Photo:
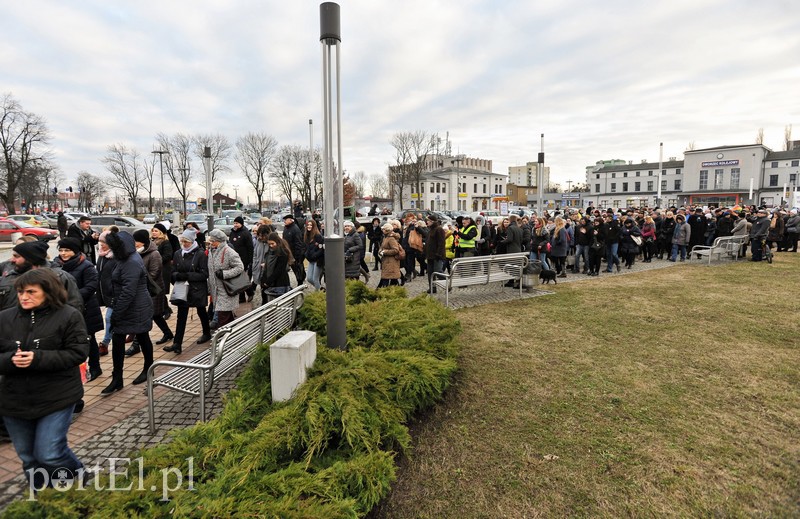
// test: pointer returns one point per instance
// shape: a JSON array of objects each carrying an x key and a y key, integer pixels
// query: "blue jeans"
[
  {"x": 675, "y": 248},
  {"x": 107, "y": 336},
  {"x": 611, "y": 255},
  {"x": 541, "y": 256},
  {"x": 42, "y": 444},
  {"x": 581, "y": 251},
  {"x": 313, "y": 273}
]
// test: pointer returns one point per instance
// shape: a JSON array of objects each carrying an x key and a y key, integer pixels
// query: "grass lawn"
[{"x": 673, "y": 392}]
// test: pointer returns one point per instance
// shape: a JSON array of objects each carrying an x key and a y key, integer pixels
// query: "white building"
[
  {"x": 719, "y": 176},
  {"x": 456, "y": 183}
]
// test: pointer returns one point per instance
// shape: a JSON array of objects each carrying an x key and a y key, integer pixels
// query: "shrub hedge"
[{"x": 328, "y": 452}]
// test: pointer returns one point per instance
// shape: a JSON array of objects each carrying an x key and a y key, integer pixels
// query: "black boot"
[
  {"x": 134, "y": 349},
  {"x": 142, "y": 376},
  {"x": 175, "y": 348},
  {"x": 165, "y": 339},
  {"x": 115, "y": 385}
]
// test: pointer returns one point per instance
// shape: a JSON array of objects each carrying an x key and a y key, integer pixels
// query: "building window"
[
  {"x": 484, "y": 189},
  {"x": 677, "y": 184},
  {"x": 597, "y": 175},
  {"x": 475, "y": 189},
  {"x": 444, "y": 188},
  {"x": 613, "y": 187},
  {"x": 613, "y": 175},
  {"x": 795, "y": 163},
  {"x": 663, "y": 185},
  {"x": 775, "y": 164},
  {"x": 718, "y": 176},
  {"x": 703, "y": 179},
  {"x": 637, "y": 173},
  {"x": 677, "y": 171},
  {"x": 438, "y": 187},
  {"x": 773, "y": 180},
  {"x": 735, "y": 174},
  {"x": 597, "y": 188},
  {"x": 793, "y": 179},
  {"x": 649, "y": 185},
  {"x": 637, "y": 186},
  {"x": 624, "y": 187},
  {"x": 663, "y": 171},
  {"x": 431, "y": 187},
  {"x": 650, "y": 174},
  {"x": 625, "y": 174}
]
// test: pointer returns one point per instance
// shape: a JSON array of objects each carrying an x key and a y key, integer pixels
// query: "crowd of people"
[{"x": 52, "y": 307}]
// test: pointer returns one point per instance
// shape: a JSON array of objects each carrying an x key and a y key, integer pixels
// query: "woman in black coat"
[
  {"x": 275, "y": 275},
  {"x": 42, "y": 345},
  {"x": 628, "y": 248},
  {"x": 190, "y": 265},
  {"x": 132, "y": 307},
  {"x": 72, "y": 260}
]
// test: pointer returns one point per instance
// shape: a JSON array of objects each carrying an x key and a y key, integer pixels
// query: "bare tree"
[
  {"x": 690, "y": 147},
  {"x": 149, "y": 167},
  {"x": 127, "y": 171},
  {"x": 760, "y": 136},
  {"x": 91, "y": 188},
  {"x": 787, "y": 138},
  {"x": 309, "y": 175},
  {"x": 178, "y": 164},
  {"x": 411, "y": 150},
  {"x": 359, "y": 181},
  {"x": 33, "y": 183},
  {"x": 286, "y": 168},
  {"x": 221, "y": 151},
  {"x": 24, "y": 138},
  {"x": 378, "y": 185},
  {"x": 254, "y": 154}
]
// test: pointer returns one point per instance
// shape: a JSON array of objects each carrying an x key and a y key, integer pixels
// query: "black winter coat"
[
  {"x": 130, "y": 299},
  {"x": 315, "y": 251},
  {"x": 192, "y": 267},
  {"x": 88, "y": 281},
  {"x": 105, "y": 266},
  {"x": 53, "y": 381},
  {"x": 294, "y": 237},
  {"x": 242, "y": 242},
  {"x": 154, "y": 267},
  {"x": 275, "y": 273}
]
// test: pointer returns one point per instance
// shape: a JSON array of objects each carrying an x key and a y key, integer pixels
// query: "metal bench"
[
  {"x": 231, "y": 345},
  {"x": 728, "y": 246},
  {"x": 481, "y": 270}
]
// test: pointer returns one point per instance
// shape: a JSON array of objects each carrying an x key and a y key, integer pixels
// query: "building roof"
[
  {"x": 668, "y": 164},
  {"x": 727, "y": 147},
  {"x": 778, "y": 155}
]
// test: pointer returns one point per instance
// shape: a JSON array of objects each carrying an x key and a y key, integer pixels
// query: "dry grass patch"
[{"x": 670, "y": 392}]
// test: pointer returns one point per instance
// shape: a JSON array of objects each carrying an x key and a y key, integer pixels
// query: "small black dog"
[{"x": 548, "y": 275}]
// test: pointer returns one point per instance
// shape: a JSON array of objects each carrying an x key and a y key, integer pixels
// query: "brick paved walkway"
[{"x": 116, "y": 426}]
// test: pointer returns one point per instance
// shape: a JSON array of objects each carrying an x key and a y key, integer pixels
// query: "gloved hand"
[
  {"x": 218, "y": 273},
  {"x": 179, "y": 276},
  {"x": 481, "y": 240}
]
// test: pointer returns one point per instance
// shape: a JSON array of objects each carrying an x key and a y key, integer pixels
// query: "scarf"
[{"x": 194, "y": 246}]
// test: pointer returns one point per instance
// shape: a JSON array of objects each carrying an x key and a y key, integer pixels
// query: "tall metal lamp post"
[
  {"x": 161, "y": 163},
  {"x": 333, "y": 206},
  {"x": 209, "y": 201}
]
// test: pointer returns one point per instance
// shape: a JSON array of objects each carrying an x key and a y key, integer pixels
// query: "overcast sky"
[{"x": 601, "y": 80}]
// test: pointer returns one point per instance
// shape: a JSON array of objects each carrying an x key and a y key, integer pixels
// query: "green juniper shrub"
[{"x": 328, "y": 452}]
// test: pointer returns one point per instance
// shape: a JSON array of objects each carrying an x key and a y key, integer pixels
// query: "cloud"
[{"x": 601, "y": 81}]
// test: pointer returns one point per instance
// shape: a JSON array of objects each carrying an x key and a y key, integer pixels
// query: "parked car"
[
  {"x": 31, "y": 219},
  {"x": 52, "y": 219},
  {"x": 9, "y": 227},
  {"x": 232, "y": 213},
  {"x": 488, "y": 214},
  {"x": 224, "y": 224},
  {"x": 201, "y": 219},
  {"x": 128, "y": 224},
  {"x": 150, "y": 218}
]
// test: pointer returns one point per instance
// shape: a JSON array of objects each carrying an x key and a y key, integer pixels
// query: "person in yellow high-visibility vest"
[{"x": 466, "y": 238}]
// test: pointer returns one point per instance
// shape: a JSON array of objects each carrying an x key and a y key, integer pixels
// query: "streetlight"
[{"x": 161, "y": 163}]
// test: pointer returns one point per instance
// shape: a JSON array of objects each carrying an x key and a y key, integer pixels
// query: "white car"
[
  {"x": 489, "y": 214},
  {"x": 150, "y": 218}
]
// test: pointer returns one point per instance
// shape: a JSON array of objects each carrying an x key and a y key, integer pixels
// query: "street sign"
[{"x": 570, "y": 196}]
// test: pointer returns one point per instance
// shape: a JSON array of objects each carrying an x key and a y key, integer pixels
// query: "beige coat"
[{"x": 390, "y": 263}]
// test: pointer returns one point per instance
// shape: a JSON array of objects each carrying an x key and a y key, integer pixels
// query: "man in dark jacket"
[
  {"x": 242, "y": 242},
  {"x": 758, "y": 232},
  {"x": 697, "y": 222},
  {"x": 294, "y": 237},
  {"x": 611, "y": 232},
  {"x": 33, "y": 255},
  {"x": 63, "y": 224},
  {"x": 434, "y": 250},
  {"x": 82, "y": 231}
]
